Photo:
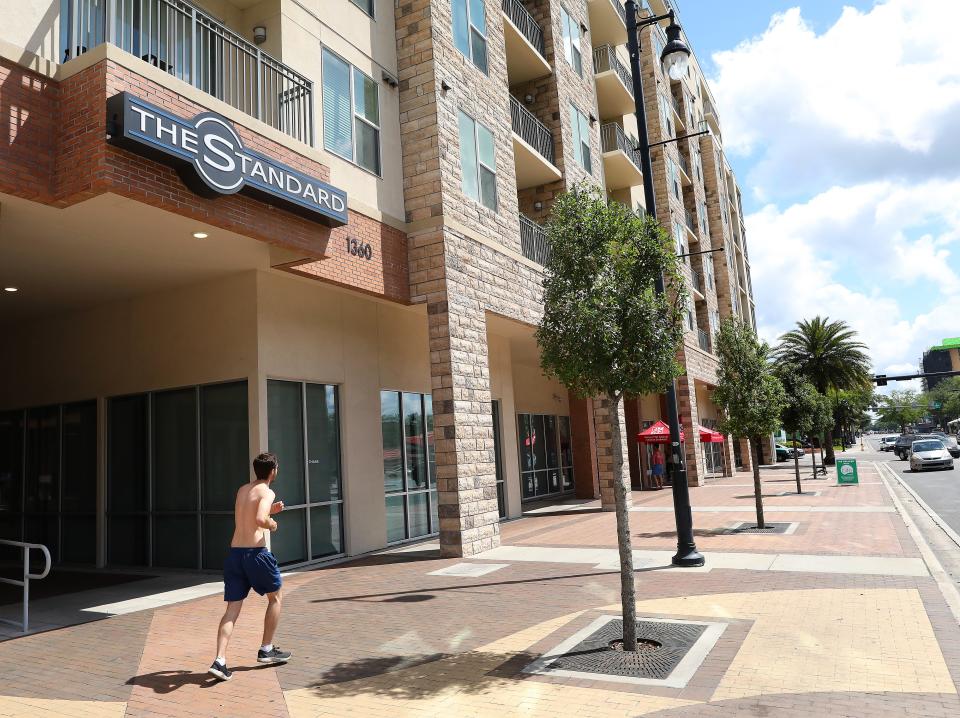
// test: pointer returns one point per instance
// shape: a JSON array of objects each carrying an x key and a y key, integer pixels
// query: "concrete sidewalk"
[{"x": 839, "y": 616}]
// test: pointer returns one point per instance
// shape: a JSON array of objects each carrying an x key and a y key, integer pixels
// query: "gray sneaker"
[
  {"x": 274, "y": 655},
  {"x": 220, "y": 670}
]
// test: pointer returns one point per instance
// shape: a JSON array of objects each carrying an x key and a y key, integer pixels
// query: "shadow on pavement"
[
  {"x": 169, "y": 681},
  {"x": 468, "y": 673}
]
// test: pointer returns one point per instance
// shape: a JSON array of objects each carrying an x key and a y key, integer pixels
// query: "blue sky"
[{"x": 841, "y": 121}]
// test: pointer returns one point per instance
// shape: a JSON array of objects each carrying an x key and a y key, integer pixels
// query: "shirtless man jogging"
[{"x": 250, "y": 565}]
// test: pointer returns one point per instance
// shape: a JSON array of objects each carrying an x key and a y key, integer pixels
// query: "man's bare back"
[{"x": 252, "y": 510}]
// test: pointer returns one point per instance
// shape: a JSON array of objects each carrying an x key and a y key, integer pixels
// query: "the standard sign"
[{"x": 212, "y": 161}]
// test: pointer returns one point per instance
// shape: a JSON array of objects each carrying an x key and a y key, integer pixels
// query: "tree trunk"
[
  {"x": 796, "y": 466},
  {"x": 813, "y": 455},
  {"x": 830, "y": 459},
  {"x": 628, "y": 596},
  {"x": 757, "y": 490}
]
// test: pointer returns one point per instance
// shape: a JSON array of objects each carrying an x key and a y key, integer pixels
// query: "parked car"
[
  {"x": 929, "y": 454},
  {"x": 786, "y": 452},
  {"x": 951, "y": 443},
  {"x": 887, "y": 442}
]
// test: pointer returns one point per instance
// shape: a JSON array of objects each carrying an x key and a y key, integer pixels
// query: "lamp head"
[{"x": 675, "y": 54}]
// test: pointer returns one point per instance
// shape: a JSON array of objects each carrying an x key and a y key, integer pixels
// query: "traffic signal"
[{"x": 881, "y": 379}]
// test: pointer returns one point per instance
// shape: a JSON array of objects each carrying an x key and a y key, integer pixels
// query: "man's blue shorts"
[{"x": 247, "y": 568}]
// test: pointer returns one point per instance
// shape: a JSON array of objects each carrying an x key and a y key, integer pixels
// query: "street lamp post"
[{"x": 675, "y": 57}]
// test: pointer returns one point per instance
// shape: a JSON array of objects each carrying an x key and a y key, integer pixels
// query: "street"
[{"x": 939, "y": 489}]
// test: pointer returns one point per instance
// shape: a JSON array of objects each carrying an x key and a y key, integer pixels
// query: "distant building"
[{"x": 943, "y": 357}]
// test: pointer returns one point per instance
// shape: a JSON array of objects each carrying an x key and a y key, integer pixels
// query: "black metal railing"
[
  {"x": 185, "y": 42},
  {"x": 621, "y": 10},
  {"x": 533, "y": 241},
  {"x": 605, "y": 58},
  {"x": 531, "y": 130},
  {"x": 704, "y": 339},
  {"x": 528, "y": 27},
  {"x": 684, "y": 164},
  {"x": 691, "y": 224},
  {"x": 613, "y": 138}
]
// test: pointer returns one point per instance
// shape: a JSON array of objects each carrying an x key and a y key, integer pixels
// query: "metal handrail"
[
  {"x": 605, "y": 58},
  {"x": 691, "y": 225},
  {"x": 684, "y": 164},
  {"x": 184, "y": 41},
  {"x": 697, "y": 280},
  {"x": 613, "y": 138},
  {"x": 531, "y": 130},
  {"x": 25, "y": 582},
  {"x": 533, "y": 241},
  {"x": 526, "y": 24},
  {"x": 620, "y": 9}
]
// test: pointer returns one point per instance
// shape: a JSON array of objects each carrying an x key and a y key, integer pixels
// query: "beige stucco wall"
[
  {"x": 33, "y": 25},
  {"x": 502, "y": 389},
  {"x": 312, "y": 332}
]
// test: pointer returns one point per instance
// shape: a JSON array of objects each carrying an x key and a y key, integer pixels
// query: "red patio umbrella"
[
  {"x": 657, "y": 433},
  {"x": 709, "y": 436}
]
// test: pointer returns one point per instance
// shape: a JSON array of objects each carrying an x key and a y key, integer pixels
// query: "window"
[
  {"x": 546, "y": 455},
  {"x": 351, "y": 113},
  {"x": 470, "y": 30},
  {"x": 666, "y": 118},
  {"x": 708, "y": 269},
  {"x": 673, "y": 177},
  {"x": 659, "y": 43},
  {"x": 715, "y": 321},
  {"x": 48, "y": 479},
  {"x": 704, "y": 222},
  {"x": 478, "y": 162},
  {"x": 680, "y": 236},
  {"x": 365, "y": 5},
  {"x": 581, "y": 138},
  {"x": 304, "y": 431},
  {"x": 571, "y": 41},
  {"x": 175, "y": 460},
  {"x": 691, "y": 318},
  {"x": 409, "y": 465}
]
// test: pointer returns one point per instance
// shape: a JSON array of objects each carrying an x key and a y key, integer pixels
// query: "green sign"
[{"x": 847, "y": 471}]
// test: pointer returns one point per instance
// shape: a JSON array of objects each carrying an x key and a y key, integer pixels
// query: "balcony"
[
  {"x": 710, "y": 114},
  {"x": 691, "y": 224},
  {"x": 614, "y": 83},
  {"x": 621, "y": 159},
  {"x": 526, "y": 56},
  {"x": 696, "y": 277},
  {"x": 533, "y": 241},
  {"x": 608, "y": 22},
  {"x": 185, "y": 42},
  {"x": 703, "y": 339},
  {"x": 532, "y": 148}
]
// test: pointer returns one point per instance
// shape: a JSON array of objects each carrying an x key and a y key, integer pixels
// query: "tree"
[
  {"x": 829, "y": 356},
  {"x": 946, "y": 395},
  {"x": 751, "y": 397},
  {"x": 822, "y": 423},
  {"x": 800, "y": 409},
  {"x": 901, "y": 407},
  {"x": 849, "y": 411},
  {"x": 605, "y": 330}
]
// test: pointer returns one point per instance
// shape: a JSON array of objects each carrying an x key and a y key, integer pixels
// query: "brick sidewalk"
[{"x": 383, "y": 636}]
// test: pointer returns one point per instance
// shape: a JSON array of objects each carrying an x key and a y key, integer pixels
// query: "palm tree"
[{"x": 829, "y": 356}]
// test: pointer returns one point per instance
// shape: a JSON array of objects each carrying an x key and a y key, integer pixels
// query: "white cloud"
[
  {"x": 850, "y": 140},
  {"x": 876, "y": 95}
]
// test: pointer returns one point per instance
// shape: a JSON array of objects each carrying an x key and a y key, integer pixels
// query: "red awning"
[
  {"x": 709, "y": 436},
  {"x": 657, "y": 433}
]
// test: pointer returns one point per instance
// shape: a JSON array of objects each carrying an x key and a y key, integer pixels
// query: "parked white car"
[{"x": 929, "y": 454}]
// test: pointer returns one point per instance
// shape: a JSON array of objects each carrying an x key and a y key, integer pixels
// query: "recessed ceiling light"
[
  {"x": 10, "y": 289},
  {"x": 200, "y": 235}
]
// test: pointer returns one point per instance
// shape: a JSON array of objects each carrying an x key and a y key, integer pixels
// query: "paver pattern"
[{"x": 387, "y": 635}]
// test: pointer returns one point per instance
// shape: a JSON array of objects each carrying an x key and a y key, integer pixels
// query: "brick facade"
[{"x": 59, "y": 156}]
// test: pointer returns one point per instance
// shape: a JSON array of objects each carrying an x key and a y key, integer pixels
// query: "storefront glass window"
[
  {"x": 546, "y": 455},
  {"x": 309, "y": 480},
  {"x": 409, "y": 465}
]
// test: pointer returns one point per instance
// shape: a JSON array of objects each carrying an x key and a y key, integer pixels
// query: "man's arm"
[{"x": 263, "y": 512}]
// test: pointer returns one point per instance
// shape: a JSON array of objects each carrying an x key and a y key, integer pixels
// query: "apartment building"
[
  {"x": 944, "y": 356},
  {"x": 315, "y": 227}
]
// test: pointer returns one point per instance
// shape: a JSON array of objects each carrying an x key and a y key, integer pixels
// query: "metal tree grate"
[
  {"x": 661, "y": 647},
  {"x": 770, "y": 527}
]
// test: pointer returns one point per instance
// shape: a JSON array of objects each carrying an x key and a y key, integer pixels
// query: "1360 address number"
[{"x": 359, "y": 249}]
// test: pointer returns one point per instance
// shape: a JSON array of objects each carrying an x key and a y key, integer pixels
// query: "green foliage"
[
  {"x": 822, "y": 416},
  {"x": 751, "y": 396},
  {"x": 801, "y": 397},
  {"x": 947, "y": 392},
  {"x": 826, "y": 353},
  {"x": 605, "y": 330},
  {"x": 901, "y": 407},
  {"x": 849, "y": 408}
]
